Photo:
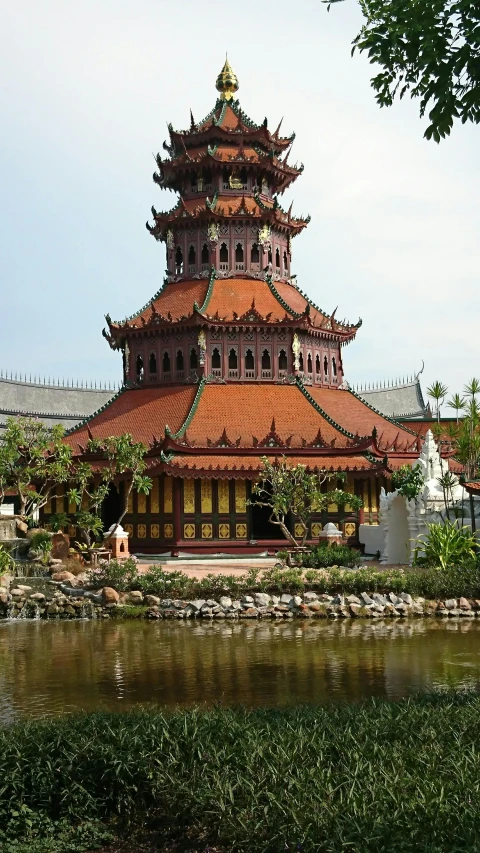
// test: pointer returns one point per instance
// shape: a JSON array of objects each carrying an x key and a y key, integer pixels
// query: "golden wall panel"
[
  {"x": 240, "y": 496},
  {"x": 350, "y": 528},
  {"x": 167, "y": 494},
  {"x": 141, "y": 531},
  {"x": 141, "y": 503},
  {"x": 206, "y": 494},
  {"x": 298, "y": 529},
  {"x": 207, "y": 531},
  {"x": 316, "y": 529},
  {"x": 241, "y": 531},
  {"x": 189, "y": 531},
  {"x": 155, "y": 496},
  {"x": 168, "y": 531},
  {"x": 189, "y": 495},
  {"x": 128, "y": 528},
  {"x": 155, "y": 531},
  {"x": 224, "y": 531},
  {"x": 72, "y": 530},
  {"x": 224, "y": 496}
]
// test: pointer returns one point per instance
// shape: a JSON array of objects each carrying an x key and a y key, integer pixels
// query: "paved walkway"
[{"x": 198, "y": 569}]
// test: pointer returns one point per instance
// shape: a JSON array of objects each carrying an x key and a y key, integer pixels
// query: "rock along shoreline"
[{"x": 64, "y": 602}]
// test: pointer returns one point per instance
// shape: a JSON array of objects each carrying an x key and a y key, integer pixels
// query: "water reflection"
[{"x": 55, "y": 667}]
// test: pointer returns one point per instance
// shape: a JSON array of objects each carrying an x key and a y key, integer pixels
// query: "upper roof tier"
[{"x": 226, "y": 137}]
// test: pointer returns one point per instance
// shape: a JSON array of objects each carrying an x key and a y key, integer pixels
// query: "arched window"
[
  {"x": 166, "y": 362},
  {"x": 243, "y": 178},
  {"x": 282, "y": 360},
  {"x": 179, "y": 260},
  {"x": 254, "y": 254},
  {"x": 300, "y": 362},
  {"x": 226, "y": 179},
  {"x": 152, "y": 363},
  {"x": 325, "y": 367},
  {"x": 270, "y": 260},
  {"x": 205, "y": 254},
  {"x": 285, "y": 262},
  {"x": 334, "y": 366},
  {"x": 249, "y": 360},
  {"x": 216, "y": 363},
  {"x": 239, "y": 253},
  {"x": 191, "y": 255},
  {"x": 139, "y": 366},
  {"x": 277, "y": 258},
  {"x": 179, "y": 360},
  {"x": 266, "y": 363},
  {"x": 232, "y": 359},
  {"x": 224, "y": 253},
  {"x": 317, "y": 364},
  {"x": 193, "y": 359},
  {"x": 193, "y": 181},
  {"x": 309, "y": 364}
]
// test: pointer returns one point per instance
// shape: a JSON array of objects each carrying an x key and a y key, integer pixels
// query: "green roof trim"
[
  {"x": 322, "y": 412},
  {"x": 188, "y": 420},
  {"x": 208, "y": 295},
  {"x": 285, "y": 305}
]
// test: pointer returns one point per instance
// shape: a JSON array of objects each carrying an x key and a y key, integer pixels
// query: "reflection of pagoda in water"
[{"x": 230, "y": 361}]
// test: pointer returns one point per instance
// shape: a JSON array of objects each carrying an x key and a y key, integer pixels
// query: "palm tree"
[
  {"x": 472, "y": 388},
  {"x": 438, "y": 392},
  {"x": 458, "y": 403}
]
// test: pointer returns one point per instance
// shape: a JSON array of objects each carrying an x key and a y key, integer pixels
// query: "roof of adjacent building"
[
  {"x": 402, "y": 399},
  {"x": 52, "y": 403}
]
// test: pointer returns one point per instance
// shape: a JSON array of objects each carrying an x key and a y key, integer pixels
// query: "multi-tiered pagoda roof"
[{"x": 230, "y": 361}]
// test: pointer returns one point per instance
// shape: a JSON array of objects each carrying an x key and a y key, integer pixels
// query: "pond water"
[{"x": 58, "y": 667}]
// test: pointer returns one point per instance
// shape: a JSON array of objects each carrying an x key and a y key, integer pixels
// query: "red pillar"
[{"x": 177, "y": 532}]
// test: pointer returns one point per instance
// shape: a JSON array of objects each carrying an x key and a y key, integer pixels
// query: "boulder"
[
  {"x": 310, "y": 596},
  {"x": 6, "y": 580},
  {"x": 285, "y": 599},
  {"x": 21, "y": 526},
  {"x": 195, "y": 605},
  {"x": 297, "y": 601},
  {"x": 379, "y": 599},
  {"x": 53, "y": 609},
  {"x": 5, "y": 596},
  {"x": 37, "y": 596},
  {"x": 451, "y": 604},
  {"x": 23, "y": 587},
  {"x": 60, "y": 546},
  {"x": 225, "y": 602},
  {"x": 33, "y": 530},
  {"x": 464, "y": 604},
  {"x": 64, "y": 576},
  {"x": 16, "y": 592},
  {"x": 135, "y": 597},
  {"x": 406, "y": 598},
  {"x": 152, "y": 600},
  {"x": 366, "y": 598},
  {"x": 262, "y": 599},
  {"x": 353, "y": 599},
  {"x": 247, "y": 599},
  {"x": 109, "y": 596}
]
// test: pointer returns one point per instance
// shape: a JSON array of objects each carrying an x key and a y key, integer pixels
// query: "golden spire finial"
[{"x": 227, "y": 82}]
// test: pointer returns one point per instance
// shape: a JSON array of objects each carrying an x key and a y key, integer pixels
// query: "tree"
[
  {"x": 437, "y": 391},
  {"x": 458, "y": 403},
  {"x": 117, "y": 456},
  {"x": 33, "y": 459},
  {"x": 429, "y": 48},
  {"x": 287, "y": 490}
]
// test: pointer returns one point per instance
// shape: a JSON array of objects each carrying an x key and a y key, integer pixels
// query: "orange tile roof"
[
  {"x": 247, "y": 411},
  {"x": 244, "y": 465},
  {"x": 143, "y": 412},
  {"x": 353, "y": 414},
  {"x": 239, "y": 295},
  {"x": 175, "y": 299},
  {"x": 298, "y": 302}
]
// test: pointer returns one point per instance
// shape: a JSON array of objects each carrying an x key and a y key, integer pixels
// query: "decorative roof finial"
[{"x": 227, "y": 82}]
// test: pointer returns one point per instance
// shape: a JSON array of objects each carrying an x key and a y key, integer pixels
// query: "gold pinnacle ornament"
[{"x": 227, "y": 82}]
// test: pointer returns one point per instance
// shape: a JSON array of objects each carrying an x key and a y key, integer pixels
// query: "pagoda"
[{"x": 230, "y": 361}]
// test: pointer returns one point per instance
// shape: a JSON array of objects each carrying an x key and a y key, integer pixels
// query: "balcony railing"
[
  {"x": 266, "y": 374},
  {"x": 249, "y": 374},
  {"x": 223, "y": 266},
  {"x": 216, "y": 371},
  {"x": 239, "y": 266},
  {"x": 192, "y": 268},
  {"x": 232, "y": 373},
  {"x": 180, "y": 374}
]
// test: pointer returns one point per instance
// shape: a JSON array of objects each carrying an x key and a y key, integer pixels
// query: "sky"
[{"x": 86, "y": 92}]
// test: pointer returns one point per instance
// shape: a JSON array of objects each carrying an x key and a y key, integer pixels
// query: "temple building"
[{"x": 230, "y": 361}]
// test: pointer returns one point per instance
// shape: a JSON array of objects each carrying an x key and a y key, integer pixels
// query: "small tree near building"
[{"x": 292, "y": 490}]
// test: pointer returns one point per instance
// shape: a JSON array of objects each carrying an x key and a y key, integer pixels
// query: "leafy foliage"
[
  {"x": 33, "y": 459},
  {"x": 445, "y": 545},
  {"x": 6, "y": 560},
  {"x": 429, "y": 48},
  {"x": 367, "y": 777},
  {"x": 122, "y": 575},
  {"x": 286, "y": 490},
  {"x": 408, "y": 481}
]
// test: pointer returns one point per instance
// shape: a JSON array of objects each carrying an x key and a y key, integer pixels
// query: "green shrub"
[
  {"x": 39, "y": 538},
  {"x": 445, "y": 545},
  {"x": 398, "y": 776},
  {"x": 7, "y": 563},
  {"x": 324, "y": 556},
  {"x": 122, "y": 575}
]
